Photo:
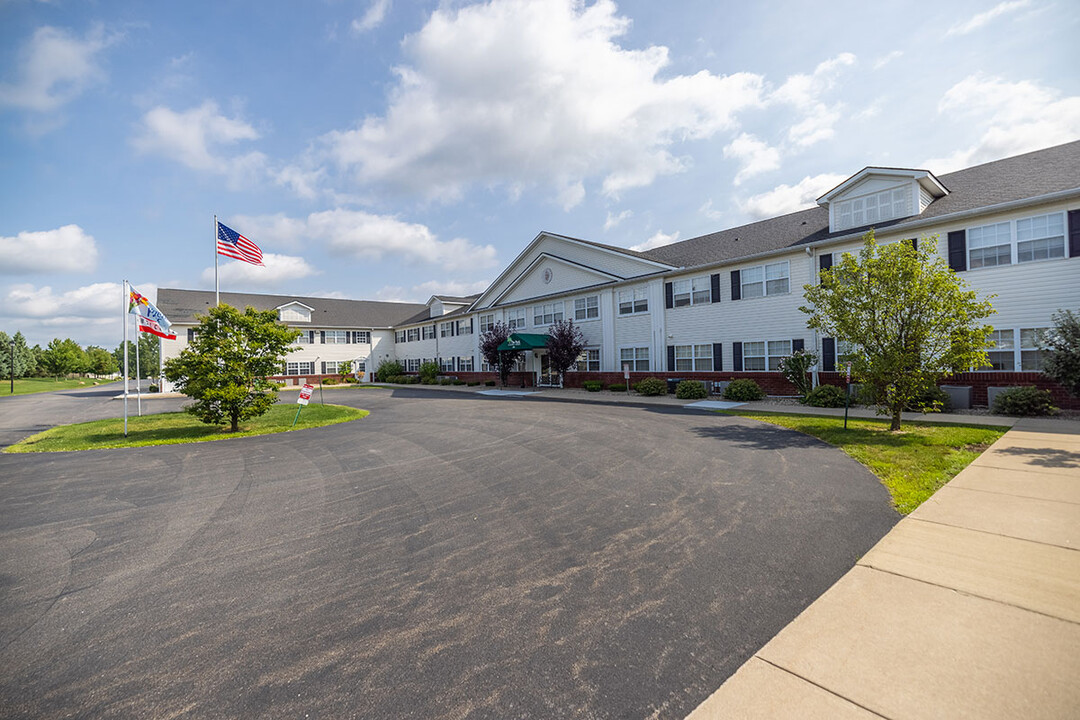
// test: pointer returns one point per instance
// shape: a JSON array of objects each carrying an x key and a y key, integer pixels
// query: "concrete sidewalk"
[{"x": 968, "y": 608}]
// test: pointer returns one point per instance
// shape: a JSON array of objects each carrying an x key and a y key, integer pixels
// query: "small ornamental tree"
[
  {"x": 1061, "y": 351},
  {"x": 911, "y": 317},
  {"x": 564, "y": 345},
  {"x": 490, "y": 340},
  {"x": 225, "y": 368},
  {"x": 63, "y": 357},
  {"x": 796, "y": 370}
]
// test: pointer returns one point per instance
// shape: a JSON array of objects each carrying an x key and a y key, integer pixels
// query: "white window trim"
[
  {"x": 767, "y": 355},
  {"x": 1014, "y": 242},
  {"x": 695, "y": 358},
  {"x": 764, "y": 282},
  {"x": 586, "y": 308},
  {"x": 635, "y": 360},
  {"x": 634, "y": 300}
]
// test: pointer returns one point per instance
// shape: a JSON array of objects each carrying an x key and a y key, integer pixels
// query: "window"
[
  {"x": 399, "y": 336},
  {"x": 304, "y": 339},
  {"x": 701, "y": 290},
  {"x": 446, "y": 329},
  {"x": 1030, "y": 355},
  {"x": 330, "y": 367},
  {"x": 764, "y": 280},
  {"x": 1040, "y": 238},
  {"x": 547, "y": 314},
  {"x": 881, "y": 206},
  {"x": 680, "y": 293},
  {"x": 487, "y": 322},
  {"x": 515, "y": 319},
  {"x": 465, "y": 364},
  {"x": 334, "y": 337},
  {"x": 693, "y": 357},
  {"x": 300, "y": 368},
  {"x": 359, "y": 366},
  {"x": 294, "y": 314},
  {"x": 361, "y": 336},
  {"x": 464, "y": 327},
  {"x": 1001, "y": 356},
  {"x": 428, "y": 332},
  {"x": 636, "y": 358},
  {"x": 634, "y": 300},
  {"x": 412, "y": 365},
  {"x": 989, "y": 245},
  {"x": 765, "y": 355},
  {"x": 446, "y": 364},
  {"x": 587, "y": 308},
  {"x": 588, "y": 360},
  {"x": 412, "y": 334}
]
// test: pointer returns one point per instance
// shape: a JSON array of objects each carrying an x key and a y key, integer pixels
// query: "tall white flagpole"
[
  {"x": 123, "y": 308},
  {"x": 217, "y": 292}
]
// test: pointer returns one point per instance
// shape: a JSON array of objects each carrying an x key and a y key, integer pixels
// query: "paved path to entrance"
[
  {"x": 450, "y": 556},
  {"x": 969, "y": 608}
]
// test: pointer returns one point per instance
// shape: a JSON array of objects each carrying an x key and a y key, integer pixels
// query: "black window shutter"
[
  {"x": 348, "y": 336},
  {"x": 714, "y": 281},
  {"x": 323, "y": 363},
  {"x": 736, "y": 285},
  {"x": 671, "y": 358},
  {"x": 797, "y": 344},
  {"x": 322, "y": 337},
  {"x": 825, "y": 261},
  {"x": 958, "y": 250},
  {"x": 717, "y": 354},
  {"x": 914, "y": 243},
  {"x": 471, "y": 328},
  {"x": 669, "y": 296},
  {"x": 736, "y": 355},
  {"x": 828, "y": 354},
  {"x": 1074, "y": 233},
  {"x": 311, "y": 336},
  {"x": 191, "y": 334}
]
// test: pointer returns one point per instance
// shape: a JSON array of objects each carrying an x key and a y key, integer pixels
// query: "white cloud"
[
  {"x": 65, "y": 249},
  {"x": 660, "y": 238},
  {"x": 1007, "y": 118},
  {"x": 486, "y": 98},
  {"x": 978, "y": 21},
  {"x": 805, "y": 92},
  {"x": 708, "y": 211},
  {"x": 888, "y": 58},
  {"x": 754, "y": 156},
  {"x": 785, "y": 199},
  {"x": 276, "y": 269},
  {"x": 374, "y": 16},
  {"x": 196, "y": 138},
  {"x": 55, "y": 67},
  {"x": 614, "y": 220},
  {"x": 365, "y": 236}
]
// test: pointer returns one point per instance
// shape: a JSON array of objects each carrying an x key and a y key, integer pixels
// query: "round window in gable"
[{"x": 547, "y": 275}]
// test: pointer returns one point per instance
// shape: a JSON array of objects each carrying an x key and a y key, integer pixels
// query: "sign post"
[
  {"x": 626, "y": 376},
  {"x": 302, "y": 400},
  {"x": 847, "y": 395}
]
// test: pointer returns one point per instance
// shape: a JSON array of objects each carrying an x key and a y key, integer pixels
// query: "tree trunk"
[
  {"x": 236, "y": 422},
  {"x": 896, "y": 417}
]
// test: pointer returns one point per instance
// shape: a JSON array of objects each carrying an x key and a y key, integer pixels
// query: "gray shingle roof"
[
  {"x": 1017, "y": 178},
  {"x": 180, "y": 306}
]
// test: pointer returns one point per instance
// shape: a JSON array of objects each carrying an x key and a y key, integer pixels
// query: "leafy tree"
[
  {"x": 63, "y": 357},
  {"x": 100, "y": 361},
  {"x": 490, "y": 340},
  {"x": 796, "y": 369},
  {"x": 428, "y": 371},
  {"x": 911, "y": 317},
  {"x": 39, "y": 362},
  {"x": 564, "y": 345},
  {"x": 149, "y": 356},
  {"x": 225, "y": 368},
  {"x": 1061, "y": 351},
  {"x": 25, "y": 360},
  {"x": 388, "y": 369}
]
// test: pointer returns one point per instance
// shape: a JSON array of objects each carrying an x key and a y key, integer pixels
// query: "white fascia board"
[
  {"x": 920, "y": 175},
  {"x": 295, "y": 302}
]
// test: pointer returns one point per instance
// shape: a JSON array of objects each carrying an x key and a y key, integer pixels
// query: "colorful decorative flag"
[
  {"x": 232, "y": 244},
  {"x": 149, "y": 326},
  {"x": 139, "y": 304}
]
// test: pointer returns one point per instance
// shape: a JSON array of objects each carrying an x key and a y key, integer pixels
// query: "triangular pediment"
[{"x": 549, "y": 275}]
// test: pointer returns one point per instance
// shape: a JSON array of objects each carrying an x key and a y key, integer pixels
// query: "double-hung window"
[
  {"x": 446, "y": 329},
  {"x": 1003, "y": 348},
  {"x": 487, "y": 322},
  {"x": 330, "y": 367},
  {"x": 412, "y": 365},
  {"x": 412, "y": 334},
  {"x": 681, "y": 292},
  {"x": 772, "y": 279},
  {"x": 464, "y": 327},
  {"x": 1040, "y": 238},
  {"x": 547, "y": 314},
  {"x": 693, "y": 357},
  {"x": 465, "y": 364},
  {"x": 335, "y": 337},
  {"x": 636, "y": 358},
  {"x": 634, "y": 300},
  {"x": 300, "y": 368},
  {"x": 361, "y": 336},
  {"x": 765, "y": 355},
  {"x": 446, "y": 364},
  {"x": 1030, "y": 355},
  {"x": 399, "y": 336},
  {"x": 588, "y": 360},
  {"x": 304, "y": 339},
  {"x": 587, "y": 308},
  {"x": 701, "y": 290},
  {"x": 428, "y": 332},
  {"x": 515, "y": 318},
  {"x": 989, "y": 245}
]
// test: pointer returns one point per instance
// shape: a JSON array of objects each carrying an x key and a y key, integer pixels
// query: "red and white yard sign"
[{"x": 305, "y": 394}]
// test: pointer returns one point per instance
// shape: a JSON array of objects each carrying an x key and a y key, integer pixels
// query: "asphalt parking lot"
[{"x": 449, "y": 556}]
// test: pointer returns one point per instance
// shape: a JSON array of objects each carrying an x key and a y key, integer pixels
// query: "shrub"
[
  {"x": 388, "y": 369},
  {"x": 651, "y": 386},
  {"x": 691, "y": 390},
  {"x": 796, "y": 370},
  {"x": 489, "y": 383},
  {"x": 933, "y": 400},
  {"x": 474, "y": 383},
  {"x": 459, "y": 382},
  {"x": 617, "y": 387},
  {"x": 446, "y": 381},
  {"x": 1026, "y": 400},
  {"x": 826, "y": 396},
  {"x": 744, "y": 390},
  {"x": 152, "y": 388},
  {"x": 429, "y": 381},
  {"x": 349, "y": 379},
  {"x": 592, "y": 385},
  {"x": 428, "y": 371}
]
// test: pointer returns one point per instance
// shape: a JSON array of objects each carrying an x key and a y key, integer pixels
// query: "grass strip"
[
  {"x": 177, "y": 428},
  {"x": 912, "y": 463},
  {"x": 28, "y": 386}
]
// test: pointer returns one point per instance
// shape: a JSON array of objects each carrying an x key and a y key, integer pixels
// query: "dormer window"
[
  {"x": 294, "y": 312},
  {"x": 879, "y": 207},
  {"x": 876, "y": 195}
]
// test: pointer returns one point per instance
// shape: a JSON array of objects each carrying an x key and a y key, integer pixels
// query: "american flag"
[{"x": 232, "y": 244}]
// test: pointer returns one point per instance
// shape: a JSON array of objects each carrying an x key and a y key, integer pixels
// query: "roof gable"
[{"x": 550, "y": 275}]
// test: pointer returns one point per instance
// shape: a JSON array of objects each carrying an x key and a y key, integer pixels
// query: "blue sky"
[{"x": 393, "y": 149}]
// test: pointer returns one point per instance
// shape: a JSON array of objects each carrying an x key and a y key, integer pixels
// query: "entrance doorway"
[{"x": 547, "y": 376}]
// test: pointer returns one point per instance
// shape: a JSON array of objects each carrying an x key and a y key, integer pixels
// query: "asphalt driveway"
[{"x": 449, "y": 556}]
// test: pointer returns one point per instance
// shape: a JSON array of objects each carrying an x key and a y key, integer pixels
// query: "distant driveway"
[{"x": 450, "y": 556}]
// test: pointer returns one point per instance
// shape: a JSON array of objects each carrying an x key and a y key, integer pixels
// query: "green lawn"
[
  {"x": 178, "y": 427},
  {"x": 26, "y": 386},
  {"x": 912, "y": 463}
]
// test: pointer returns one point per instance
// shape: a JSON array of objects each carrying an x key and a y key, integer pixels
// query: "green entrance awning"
[{"x": 524, "y": 341}]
